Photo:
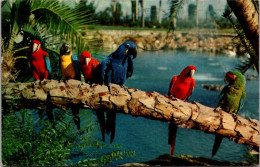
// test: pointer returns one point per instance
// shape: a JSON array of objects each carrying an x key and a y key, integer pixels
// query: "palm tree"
[
  {"x": 136, "y": 10},
  {"x": 114, "y": 11},
  {"x": 248, "y": 16},
  {"x": 49, "y": 21},
  {"x": 142, "y": 5},
  {"x": 160, "y": 12}
]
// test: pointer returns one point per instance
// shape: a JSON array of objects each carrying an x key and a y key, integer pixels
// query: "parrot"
[
  {"x": 116, "y": 68},
  {"x": 180, "y": 87},
  {"x": 231, "y": 99},
  {"x": 39, "y": 61},
  {"x": 70, "y": 68},
  {"x": 90, "y": 68}
]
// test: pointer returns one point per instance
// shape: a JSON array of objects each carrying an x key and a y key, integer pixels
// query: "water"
[{"x": 153, "y": 72}]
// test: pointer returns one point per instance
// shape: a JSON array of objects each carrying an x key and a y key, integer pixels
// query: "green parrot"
[{"x": 231, "y": 99}]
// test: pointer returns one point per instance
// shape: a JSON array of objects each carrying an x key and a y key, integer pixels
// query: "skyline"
[{"x": 219, "y": 6}]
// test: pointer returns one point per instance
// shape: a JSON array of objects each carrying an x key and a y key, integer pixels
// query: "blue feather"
[
  {"x": 48, "y": 64},
  {"x": 118, "y": 66},
  {"x": 76, "y": 66}
]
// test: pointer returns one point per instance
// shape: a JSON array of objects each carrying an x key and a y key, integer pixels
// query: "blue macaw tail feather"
[
  {"x": 47, "y": 64},
  {"x": 76, "y": 66}
]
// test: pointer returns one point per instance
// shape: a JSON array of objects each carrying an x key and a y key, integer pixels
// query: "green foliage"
[
  {"x": 153, "y": 14},
  {"x": 248, "y": 63},
  {"x": 175, "y": 6},
  {"x": 192, "y": 12},
  {"x": 31, "y": 141}
]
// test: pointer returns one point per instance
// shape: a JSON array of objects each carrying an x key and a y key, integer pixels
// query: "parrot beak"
[
  {"x": 36, "y": 47},
  {"x": 226, "y": 80},
  {"x": 87, "y": 61},
  {"x": 192, "y": 73}
]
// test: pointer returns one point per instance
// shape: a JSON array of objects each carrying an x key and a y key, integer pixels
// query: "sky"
[{"x": 219, "y": 6}]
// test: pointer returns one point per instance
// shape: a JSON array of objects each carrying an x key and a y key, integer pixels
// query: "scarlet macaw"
[
  {"x": 116, "y": 68},
  {"x": 181, "y": 87},
  {"x": 70, "y": 68},
  {"x": 90, "y": 68},
  {"x": 39, "y": 61},
  {"x": 231, "y": 99}
]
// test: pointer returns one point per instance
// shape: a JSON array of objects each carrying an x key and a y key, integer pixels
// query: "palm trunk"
[
  {"x": 114, "y": 11},
  {"x": 136, "y": 10},
  {"x": 160, "y": 12},
  {"x": 134, "y": 102},
  {"x": 143, "y": 13},
  {"x": 248, "y": 18}
]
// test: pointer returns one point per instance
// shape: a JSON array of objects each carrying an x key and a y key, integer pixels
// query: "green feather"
[{"x": 232, "y": 97}]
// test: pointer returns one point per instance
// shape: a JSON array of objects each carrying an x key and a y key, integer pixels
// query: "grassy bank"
[{"x": 193, "y": 30}]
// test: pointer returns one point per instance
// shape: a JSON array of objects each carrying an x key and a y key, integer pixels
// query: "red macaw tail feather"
[
  {"x": 172, "y": 136},
  {"x": 102, "y": 122},
  {"x": 218, "y": 140},
  {"x": 111, "y": 124},
  {"x": 75, "y": 113},
  {"x": 46, "y": 74}
]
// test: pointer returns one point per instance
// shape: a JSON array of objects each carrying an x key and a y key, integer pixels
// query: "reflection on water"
[{"x": 153, "y": 72}]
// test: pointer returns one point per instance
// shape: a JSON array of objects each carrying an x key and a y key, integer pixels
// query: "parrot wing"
[
  {"x": 171, "y": 86},
  {"x": 130, "y": 67},
  {"x": 192, "y": 86},
  {"x": 242, "y": 100},
  {"x": 105, "y": 70},
  {"x": 222, "y": 93},
  {"x": 76, "y": 66}
]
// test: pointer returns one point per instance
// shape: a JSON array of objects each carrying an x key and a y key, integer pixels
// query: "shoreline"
[{"x": 212, "y": 42}]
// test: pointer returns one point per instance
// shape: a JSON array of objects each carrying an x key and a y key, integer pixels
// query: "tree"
[
  {"x": 135, "y": 102},
  {"x": 136, "y": 10},
  {"x": 133, "y": 10},
  {"x": 248, "y": 16},
  {"x": 104, "y": 17},
  {"x": 118, "y": 13},
  {"x": 191, "y": 12},
  {"x": 48, "y": 21},
  {"x": 142, "y": 4},
  {"x": 114, "y": 11},
  {"x": 160, "y": 12},
  {"x": 153, "y": 14}
]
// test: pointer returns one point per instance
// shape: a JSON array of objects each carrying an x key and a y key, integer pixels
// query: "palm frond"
[
  {"x": 64, "y": 21},
  {"x": 175, "y": 6},
  {"x": 244, "y": 66}
]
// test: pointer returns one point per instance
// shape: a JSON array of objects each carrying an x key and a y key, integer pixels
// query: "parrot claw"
[
  {"x": 125, "y": 87},
  {"x": 110, "y": 89},
  {"x": 36, "y": 83},
  {"x": 217, "y": 109},
  {"x": 234, "y": 115}
]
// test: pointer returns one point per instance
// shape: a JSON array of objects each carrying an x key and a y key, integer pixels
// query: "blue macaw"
[{"x": 116, "y": 68}]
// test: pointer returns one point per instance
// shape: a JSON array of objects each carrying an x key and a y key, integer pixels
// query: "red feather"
[
  {"x": 181, "y": 87},
  {"x": 37, "y": 62}
]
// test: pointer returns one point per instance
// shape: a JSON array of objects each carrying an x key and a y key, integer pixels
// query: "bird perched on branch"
[
  {"x": 231, "y": 99},
  {"x": 90, "y": 67},
  {"x": 70, "y": 68},
  {"x": 180, "y": 87},
  {"x": 39, "y": 61},
  {"x": 116, "y": 68}
]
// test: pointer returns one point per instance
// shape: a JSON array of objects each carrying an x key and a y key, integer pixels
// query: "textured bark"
[
  {"x": 135, "y": 102},
  {"x": 248, "y": 18}
]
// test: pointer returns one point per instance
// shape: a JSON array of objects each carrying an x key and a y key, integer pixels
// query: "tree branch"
[{"x": 135, "y": 102}]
